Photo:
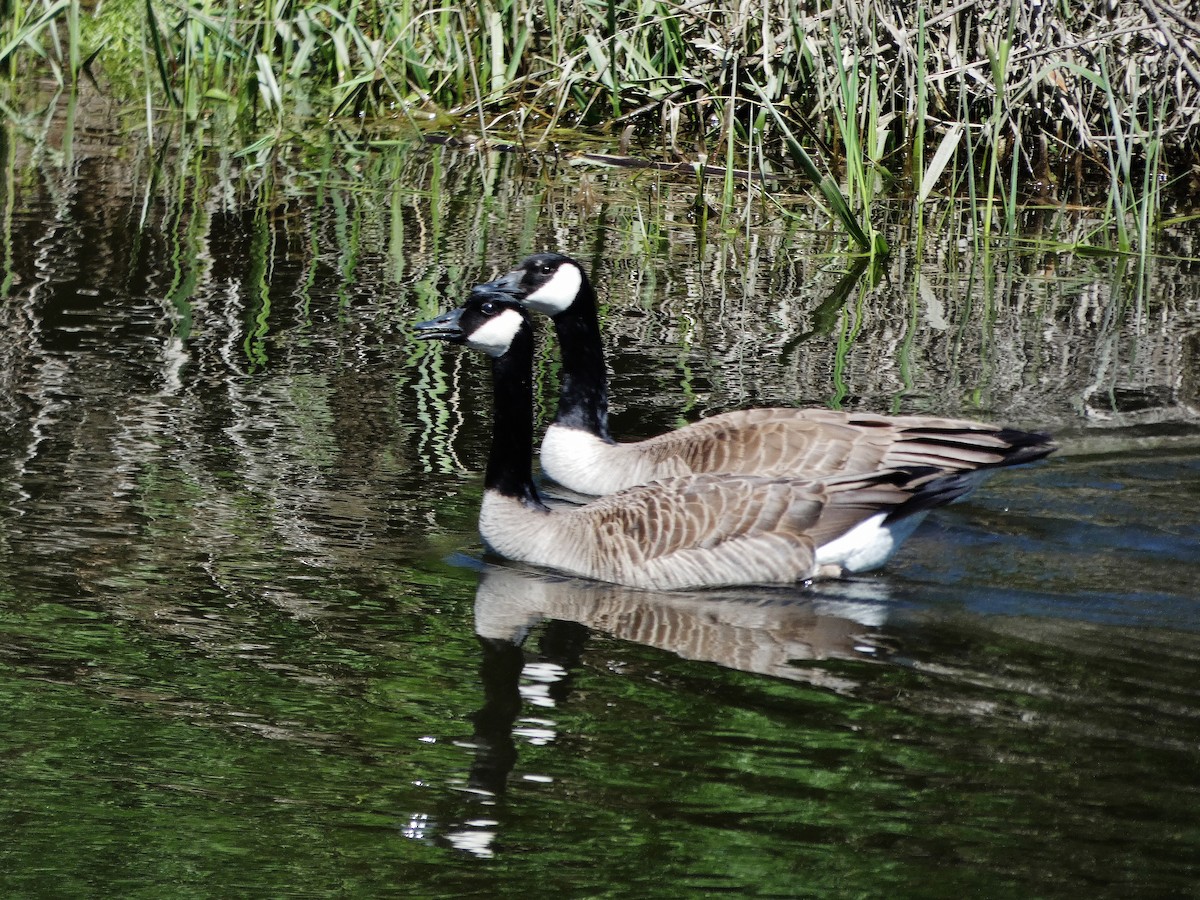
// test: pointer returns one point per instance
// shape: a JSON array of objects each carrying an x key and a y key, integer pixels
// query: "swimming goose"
[
  {"x": 579, "y": 453},
  {"x": 688, "y": 531}
]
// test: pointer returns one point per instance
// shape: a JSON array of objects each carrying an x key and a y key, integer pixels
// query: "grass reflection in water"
[{"x": 238, "y": 655}]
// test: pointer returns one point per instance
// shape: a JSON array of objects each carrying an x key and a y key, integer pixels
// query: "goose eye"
[{"x": 488, "y": 307}]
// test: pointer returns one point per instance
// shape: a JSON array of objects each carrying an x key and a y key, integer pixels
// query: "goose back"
[
  {"x": 713, "y": 531},
  {"x": 813, "y": 443}
]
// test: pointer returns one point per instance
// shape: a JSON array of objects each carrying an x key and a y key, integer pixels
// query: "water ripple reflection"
[{"x": 244, "y": 642}]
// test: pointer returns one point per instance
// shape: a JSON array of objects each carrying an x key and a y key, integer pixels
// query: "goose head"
[
  {"x": 489, "y": 321},
  {"x": 548, "y": 283}
]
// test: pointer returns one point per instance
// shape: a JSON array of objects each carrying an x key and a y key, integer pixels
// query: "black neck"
[
  {"x": 583, "y": 397},
  {"x": 510, "y": 463}
]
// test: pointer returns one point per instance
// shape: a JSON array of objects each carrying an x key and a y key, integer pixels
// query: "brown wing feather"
[
  {"x": 706, "y": 530},
  {"x": 814, "y": 443}
]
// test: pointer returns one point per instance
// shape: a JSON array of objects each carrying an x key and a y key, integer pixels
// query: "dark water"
[{"x": 248, "y": 646}]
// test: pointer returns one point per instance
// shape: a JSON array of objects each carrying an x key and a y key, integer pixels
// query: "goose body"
[
  {"x": 579, "y": 453},
  {"x": 680, "y": 532}
]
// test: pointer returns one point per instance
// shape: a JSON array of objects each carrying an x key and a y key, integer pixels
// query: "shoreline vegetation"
[{"x": 998, "y": 105}]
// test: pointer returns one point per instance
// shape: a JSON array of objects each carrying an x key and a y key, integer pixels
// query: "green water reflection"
[{"x": 248, "y": 646}]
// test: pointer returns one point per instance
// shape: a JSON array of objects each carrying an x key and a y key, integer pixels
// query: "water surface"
[{"x": 249, "y": 645}]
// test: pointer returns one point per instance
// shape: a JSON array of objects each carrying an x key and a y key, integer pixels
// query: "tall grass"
[
  {"x": 1004, "y": 102},
  {"x": 48, "y": 30}
]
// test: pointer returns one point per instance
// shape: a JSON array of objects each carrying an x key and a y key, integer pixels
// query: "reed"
[
  {"x": 1005, "y": 102},
  {"x": 35, "y": 29}
]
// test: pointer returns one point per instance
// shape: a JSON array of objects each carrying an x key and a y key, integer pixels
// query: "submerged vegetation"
[{"x": 997, "y": 103}]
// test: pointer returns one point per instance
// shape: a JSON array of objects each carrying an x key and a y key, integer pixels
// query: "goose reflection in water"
[
  {"x": 783, "y": 633},
  {"x": 761, "y": 630}
]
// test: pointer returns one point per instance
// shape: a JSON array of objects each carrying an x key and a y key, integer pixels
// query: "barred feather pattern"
[
  {"x": 785, "y": 442},
  {"x": 702, "y": 531}
]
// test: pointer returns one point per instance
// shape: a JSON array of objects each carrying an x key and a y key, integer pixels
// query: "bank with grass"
[{"x": 999, "y": 104}]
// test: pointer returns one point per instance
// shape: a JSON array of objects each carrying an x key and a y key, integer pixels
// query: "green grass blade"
[
  {"x": 160, "y": 53},
  {"x": 827, "y": 186}
]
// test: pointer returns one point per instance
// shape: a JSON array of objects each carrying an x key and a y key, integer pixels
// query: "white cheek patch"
[
  {"x": 558, "y": 293},
  {"x": 495, "y": 336}
]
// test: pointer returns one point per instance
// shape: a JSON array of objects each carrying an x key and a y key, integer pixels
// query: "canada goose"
[
  {"x": 680, "y": 532},
  {"x": 579, "y": 453}
]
